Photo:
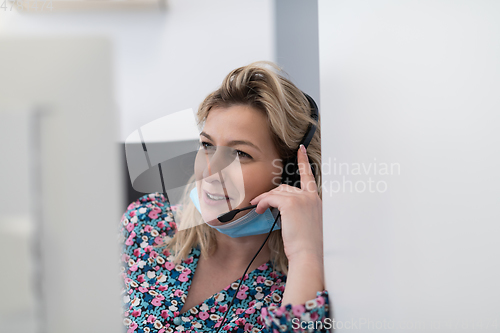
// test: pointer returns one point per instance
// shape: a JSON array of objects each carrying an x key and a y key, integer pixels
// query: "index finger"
[{"x": 307, "y": 181}]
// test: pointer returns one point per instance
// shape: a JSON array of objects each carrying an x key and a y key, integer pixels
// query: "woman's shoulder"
[{"x": 148, "y": 220}]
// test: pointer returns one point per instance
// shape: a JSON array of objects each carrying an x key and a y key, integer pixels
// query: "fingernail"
[{"x": 303, "y": 149}]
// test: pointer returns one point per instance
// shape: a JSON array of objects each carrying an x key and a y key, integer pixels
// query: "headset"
[{"x": 290, "y": 176}]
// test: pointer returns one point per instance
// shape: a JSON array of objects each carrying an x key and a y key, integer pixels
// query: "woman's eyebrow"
[
  {"x": 234, "y": 142},
  {"x": 207, "y": 136},
  {"x": 243, "y": 142}
]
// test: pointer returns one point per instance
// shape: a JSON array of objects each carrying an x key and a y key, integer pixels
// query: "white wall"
[
  {"x": 414, "y": 83},
  {"x": 165, "y": 62}
]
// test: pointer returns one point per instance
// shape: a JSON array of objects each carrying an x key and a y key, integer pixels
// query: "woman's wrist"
[
  {"x": 305, "y": 278},
  {"x": 309, "y": 268},
  {"x": 305, "y": 257}
]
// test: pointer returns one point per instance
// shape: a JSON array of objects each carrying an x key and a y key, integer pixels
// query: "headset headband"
[{"x": 306, "y": 140}]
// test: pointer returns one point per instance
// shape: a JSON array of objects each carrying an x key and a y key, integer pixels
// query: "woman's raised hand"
[{"x": 301, "y": 213}]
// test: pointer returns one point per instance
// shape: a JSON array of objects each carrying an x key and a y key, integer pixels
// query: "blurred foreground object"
[
  {"x": 60, "y": 198},
  {"x": 47, "y": 6}
]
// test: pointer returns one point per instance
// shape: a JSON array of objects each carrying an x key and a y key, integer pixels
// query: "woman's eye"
[
  {"x": 243, "y": 154},
  {"x": 206, "y": 146}
]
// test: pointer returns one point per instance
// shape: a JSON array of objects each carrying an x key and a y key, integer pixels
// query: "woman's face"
[{"x": 242, "y": 131}]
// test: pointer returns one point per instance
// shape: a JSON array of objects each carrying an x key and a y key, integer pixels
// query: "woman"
[{"x": 186, "y": 283}]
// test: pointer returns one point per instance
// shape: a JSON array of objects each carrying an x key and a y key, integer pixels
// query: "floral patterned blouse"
[{"x": 155, "y": 289}]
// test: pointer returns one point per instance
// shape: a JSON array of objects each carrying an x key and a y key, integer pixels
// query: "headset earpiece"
[{"x": 291, "y": 174}]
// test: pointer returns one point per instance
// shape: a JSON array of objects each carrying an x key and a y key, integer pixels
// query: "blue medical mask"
[{"x": 247, "y": 225}]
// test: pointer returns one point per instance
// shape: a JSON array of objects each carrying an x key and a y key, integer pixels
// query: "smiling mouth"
[{"x": 217, "y": 197}]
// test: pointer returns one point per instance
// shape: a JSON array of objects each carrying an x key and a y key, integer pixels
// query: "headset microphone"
[{"x": 223, "y": 218}]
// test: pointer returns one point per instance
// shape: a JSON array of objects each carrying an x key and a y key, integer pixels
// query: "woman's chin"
[{"x": 210, "y": 213}]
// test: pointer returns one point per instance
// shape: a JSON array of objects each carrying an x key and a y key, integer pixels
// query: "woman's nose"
[
  {"x": 211, "y": 177},
  {"x": 216, "y": 162}
]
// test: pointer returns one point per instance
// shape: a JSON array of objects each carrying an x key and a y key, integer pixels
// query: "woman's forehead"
[{"x": 238, "y": 122}]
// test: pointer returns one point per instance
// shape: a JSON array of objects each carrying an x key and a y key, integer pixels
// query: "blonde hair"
[{"x": 261, "y": 86}]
